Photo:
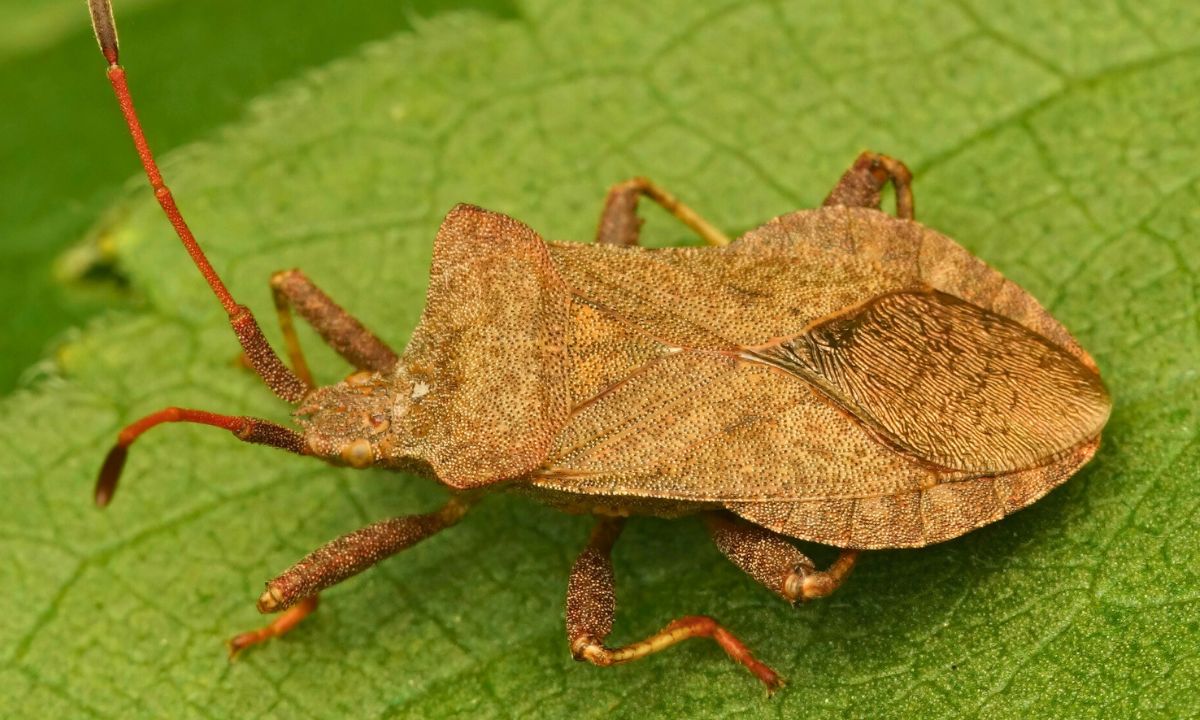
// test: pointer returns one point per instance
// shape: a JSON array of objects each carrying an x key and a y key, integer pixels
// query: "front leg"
[
  {"x": 620, "y": 224},
  {"x": 591, "y": 605},
  {"x": 340, "y": 330},
  {"x": 294, "y": 593}
]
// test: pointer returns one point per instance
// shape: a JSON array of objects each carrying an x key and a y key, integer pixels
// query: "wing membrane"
[{"x": 955, "y": 384}]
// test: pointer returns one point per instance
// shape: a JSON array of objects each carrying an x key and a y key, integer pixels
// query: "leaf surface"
[{"x": 1056, "y": 144}]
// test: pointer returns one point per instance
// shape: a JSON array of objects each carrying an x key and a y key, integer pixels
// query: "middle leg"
[
  {"x": 591, "y": 605},
  {"x": 620, "y": 224}
]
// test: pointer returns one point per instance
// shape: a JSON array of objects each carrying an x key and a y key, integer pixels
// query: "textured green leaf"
[{"x": 1058, "y": 144}]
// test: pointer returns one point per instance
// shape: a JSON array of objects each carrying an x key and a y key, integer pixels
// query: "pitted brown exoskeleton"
[{"x": 838, "y": 375}]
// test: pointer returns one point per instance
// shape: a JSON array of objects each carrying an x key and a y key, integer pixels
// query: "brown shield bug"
[{"x": 838, "y": 375}]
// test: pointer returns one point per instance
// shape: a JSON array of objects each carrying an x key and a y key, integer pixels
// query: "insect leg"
[
  {"x": 295, "y": 590},
  {"x": 860, "y": 186},
  {"x": 591, "y": 604},
  {"x": 287, "y": 620},
  {"x": 620, "y": 224},
  {"x": 360, "y": 347},
  {"x": 773, "y": 561}
]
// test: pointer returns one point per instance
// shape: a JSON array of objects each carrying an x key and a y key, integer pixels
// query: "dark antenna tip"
[
  {"x": 105, "y": 28},
  {"x": 110, "y": 473}
]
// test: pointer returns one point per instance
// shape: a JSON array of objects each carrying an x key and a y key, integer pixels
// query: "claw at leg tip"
[
  {"x": 236, "y": 645},
  {"x": 774, "y": 685},
  {"x": 769, "y": 677}
]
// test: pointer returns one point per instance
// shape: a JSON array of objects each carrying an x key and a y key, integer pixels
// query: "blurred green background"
[{"x": 1057, "y": 140}]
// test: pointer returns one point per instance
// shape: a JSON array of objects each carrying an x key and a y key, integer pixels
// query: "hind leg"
[
  {"x": 860, "y": 186},
  {"x": 776, "y": 563}
]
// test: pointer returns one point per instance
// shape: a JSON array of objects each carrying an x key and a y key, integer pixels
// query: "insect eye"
[
  {"x": 361, "y": 377},
  {"x": 359, "y": 453}
]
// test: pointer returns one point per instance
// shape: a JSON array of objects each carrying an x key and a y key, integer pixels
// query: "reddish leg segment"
[
  {"x": 620, "y": 224},
  {"x": 774, "y": 562},
  {"x": 294, "y": 592},
  {"x": 591, "y": 605},
  {"x": 280, "y": 625},
  {"x": 360, "y": 347},
  {"x": 861, "y": 185}
]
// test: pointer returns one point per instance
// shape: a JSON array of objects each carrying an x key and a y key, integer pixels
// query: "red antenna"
[
  {"x": 261, "y": 357},
  {"x": 258, "y": 351}
]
